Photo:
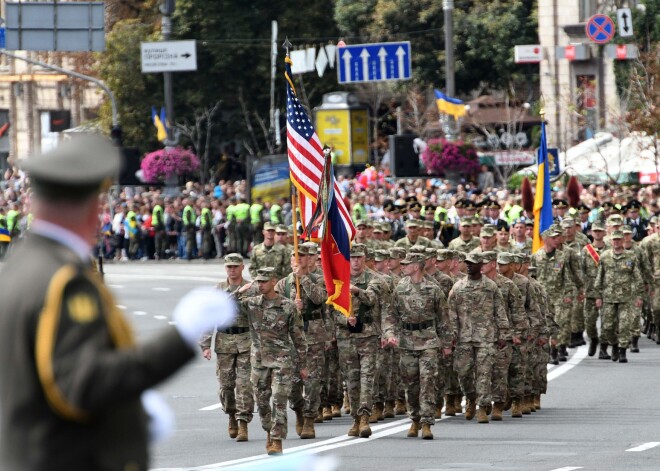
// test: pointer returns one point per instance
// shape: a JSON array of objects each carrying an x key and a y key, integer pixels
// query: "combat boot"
[
  {"x": 275, "y": 448},
  {"x": 622, "y": 355},
  {"x": 554, "y": 356},
  {"x": 489, "y": 409},
  {"x": 242, "y": 431},
  {"x": 579, "y": 336},
  {"x": 537, "y": 401},
  {"x": 497, "y": 411},
  {"x": 516, "y": 410},
  {"x": 563, "y": 353},
  {"x": 400, "y": 408},
  {"x": 507, "y": 403},
  {"x": 354, "y": 431},
  {"x": 525, "y": 406},
  {"x": 308, "y": 428},
  {"x": 233, "y": 426},
  {"x": 319, "y": 416},
  {"x": 327, "y": 413},
  {"x": 389, "y": 410},
  {"x": 269, "y": 442},
  {"x": 482, "y": 417},
  {"x": 413, "y": 431},
  {"x": 380, "y": 407},
  {"x": 450, "y": 410},
  {"x": 615, "y": 352},
  {"x": 458, "y": 406},
  {"x": 426, "y": 432},
  {"x": 573, "y": 342},
  {"x": 530, "y": 401},
  {"x": 373, "y": 418},
  {"x": 336, "y": 410},
  {"x": 603, "y": 355},
  {"x": 300, "y": 420},
  {"x": 347, "y": 406},
  {"x": 635, "y": 345},
  {"x": 470, "y": 408},
  {"x": 593, "y": 346},
  {"x": 365, "y": 430}
]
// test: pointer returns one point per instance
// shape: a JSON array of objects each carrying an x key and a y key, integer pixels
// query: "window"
[{"x": 588, "y": 8}]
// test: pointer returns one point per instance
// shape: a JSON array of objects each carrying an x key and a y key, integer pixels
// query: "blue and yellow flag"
[
  {"x": 450, "y": 106},
  {"x": 159, "y": 122},
  {"x": 542, "y": 198},
  {"x": 5, "y": 236}
]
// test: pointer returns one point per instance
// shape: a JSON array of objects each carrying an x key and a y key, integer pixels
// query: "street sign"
[
  {"x": 621, "y": 51},
  {"x": 168, "y": 56},
  {"x": 624, "y": 20},
  {"x": 2, "y": 38},
  {"x": 600, "y": 29},
  {"x": 374, "y": 62},
  {"x": 528, "y": 54}
]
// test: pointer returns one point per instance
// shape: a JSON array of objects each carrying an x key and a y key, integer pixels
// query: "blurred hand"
[
  {"x": 517, "y": 341},
  {"x": 299, "y": 304},
  {"x": 201, "y": 310},
  {"x": 599, "y": 303},
  {"x": 206, "y": 353},
  {"x": 352, "y": 321}
]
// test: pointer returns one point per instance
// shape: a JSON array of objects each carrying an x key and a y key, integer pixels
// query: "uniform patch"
[{"x": 82, "y": 308}]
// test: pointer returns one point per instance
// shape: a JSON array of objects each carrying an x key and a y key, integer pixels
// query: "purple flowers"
[
  {"x": 166, "y": 162},
  {"x": 443, "y": 156}
]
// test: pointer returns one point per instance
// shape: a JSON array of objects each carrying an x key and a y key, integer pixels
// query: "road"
[{"x": 597, "y": 415}]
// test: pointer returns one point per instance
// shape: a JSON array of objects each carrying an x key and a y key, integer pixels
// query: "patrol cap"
[
  {"x": 460, "y": 256},
  {"x": 489, "y": 256},
  {"x": 430, "y": 252},
  {"x": 412, "y": 223},
  {"x": 265, "y": 274},
  {"x": 474, "y": 257},
  {"x": 312, "y": 248},
  {"x": 654, "y": 220},
  {"x": 552, "y": 231},
  {"x": 385, "y": 227},
  {"x": 358, "y": 250},
  {"x": 303, "y": 250},
  {"x": 280, "y": 229},
  {"x": 597, "y": 226},
  {"x": 520, "y": 258},
  {"x": 617, "y": 235},
  {"x": 369, "y": 222},
  {"x": 360, "y": 222},
  {"x": 427, "y": 224},
  {"x": 382, "y": 255},
  {"x": 444, "y": 254},
  {"x": 377, "y": 229},
  {"x": 529, "y": 222},
  {"x": 413, "y": 258},
  {"x": 268, "y": 226},
  {"x": 75, "y": 169},
  {"x": 369, "y": 253},
  {"x": 417, "y": 249},
  {"x": 567, "y": 223},
  {"x": 233, "y": 260},
  {"x": 467, "y": 221},
  {"x": 505, "y": 258},
  {"x": 487, "y": 231},
  {"x": 397, "y": 253},
  {"x": 614, "y": 220},
  {"x": 626, "y": 229}
]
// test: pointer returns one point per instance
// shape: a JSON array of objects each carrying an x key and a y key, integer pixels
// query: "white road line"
[
  {"x": 172, "y": 323},
  {"x": 115, "y": 286},
  {"x": 567, "y": 468},
  {"x": 389, "y": 429},
  {"x": 213, "y": 407},
  {"x": 162, "y": 289},
  {"x": 644, "y": 446},
  {"x": 160, "y": 318},
  {"x": 121, "y": 306},
  {"x": 140, "y": 313}
]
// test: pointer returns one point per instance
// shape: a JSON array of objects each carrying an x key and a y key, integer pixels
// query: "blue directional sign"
[
  {"x": 374, "y": 62},
  {"x": 600, "y": 29},
  {"x": 2, "y": 38}
]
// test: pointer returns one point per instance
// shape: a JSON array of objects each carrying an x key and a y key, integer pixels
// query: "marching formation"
[{"x": 429, "y": 326}]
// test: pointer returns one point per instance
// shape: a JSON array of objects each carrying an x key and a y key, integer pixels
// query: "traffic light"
[
  {"x": 116, "y": 135},
  {"x": 404, "y": 160}
]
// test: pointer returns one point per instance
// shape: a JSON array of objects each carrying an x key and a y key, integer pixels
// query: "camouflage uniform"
[
  {"x": 651, "y": 246},
  {"x": 406, "y": 243},
  {"x": 590, "y": 270},
  {"x": 383, "y": 305},
  {"x": 275, "y": 256},
  {"x": 419, "y": 321},
  {"x": 647, "y": 277},
  {"x": 537, "y": 369},
  {"x": 274, "y": 328},
  {"x": 463, "y": 246}
]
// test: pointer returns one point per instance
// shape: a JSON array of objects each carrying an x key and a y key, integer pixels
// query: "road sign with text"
[
  {"x": 374, "y": 62},
  {"x": 168, "y": 56}
]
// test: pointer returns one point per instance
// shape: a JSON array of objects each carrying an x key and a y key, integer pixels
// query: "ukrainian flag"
[
  {"x": 543, "y": 198},
  {"x": 450, "y": 106},
  {"x": 159, "y": 122},
  {"x": 4, "y": 235}
]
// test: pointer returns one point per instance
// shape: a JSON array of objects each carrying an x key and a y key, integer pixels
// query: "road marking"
[
  {"x": 172, "y": 323},
  {"x": 116, "y": 286},
  {"x": 160, "y": 318},
  {"x": 162, "y": 289},
  {"x": 567, "y": 468},
  {"x": 140, "y": 313},
  {"x": 389, "y": 429},
  {"x": 121, "y": 306},
  {"x": 644, "y": 446}
]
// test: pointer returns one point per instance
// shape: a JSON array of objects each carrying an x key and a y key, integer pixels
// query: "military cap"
[
  {"x": 607, "y": 205},
  {"x": 521, "y": 258},
  {"x": 567, "y": 223},
  {"x": 358, "y": 250},
  {"x": 444, "y": 254},
  {"x": 489, "y": 256},
  {"x": 469, "y": 204},
  {"x": 505, "y": 258},
  {"x": 385, "y": 227},
  {"x": 552, "y": 231},
  {"x": 597, "y": 226},
  {"x": 487, "y": 231},
  {"x": 410, "y": 198},
  {"x": 430, "y": 207},
  {"x": 75, "y": 169},
  {"x": 280, "y": 229},
  {"x": 397, "y": 253},
  {"x": 360, "y": 222},
  {"x": 654, "y": 220},
  {"x": 430, "y": 253},
  {"x": 311, "y": 247},
  {"x": 559, "y": 203},
  {"x": 617, "y": 208},
  {"x": 415, "y": 206},
  {"x": 529, "y": 222},
  {"x": 474, "y": 257},
  {"x": 369, "y": 253},
  {"x": 583, "y": 208},
  {"x": 289, "y": 230},
  {"x": 460, "y": 256},
  {"x": 369, "y": 222},
  {"x": 417, "y": 249},
  {"x": 616, "y": 235},
  {"x": 233, "y": 260},
  {"x": 302, "y": 250},
  {"x": 626, "y": 229},
  {"x": 634, "y": 204},
  {"x": 502, "y": 226},
  {"x": 269, "y": 226},
  {"x": 428, "y": 224},
  {"x": 459, "y": 204},
  {"x": 614, "y": 220},
  {"x": 467, "y": 221},
  {"x": 412, "y": 223},
  {"x": 494, "y": 204},
  {"x": 382, "y": 255},
  {"x": 389, "y": 206},
  {"x": 377, "y": 229},
  {"x": 265, "y": 274},
  {"x": 413, "y": 258}
]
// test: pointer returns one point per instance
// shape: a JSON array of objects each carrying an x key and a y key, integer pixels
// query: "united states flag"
[{"x": 306, "y": 157}]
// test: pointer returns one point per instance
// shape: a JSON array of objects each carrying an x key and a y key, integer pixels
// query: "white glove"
[
  {"x": 161, "y": 417},
  {"x": 201, "y": 310}
]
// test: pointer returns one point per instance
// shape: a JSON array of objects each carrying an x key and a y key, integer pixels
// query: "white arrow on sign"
[
  {"x": 364, "y": 55},
  {"x": 382, "y": 53},
  {"x": 400, "y": 53},
  {"x": 624, "y": 19},
  {"x": 346, "y": 56}
]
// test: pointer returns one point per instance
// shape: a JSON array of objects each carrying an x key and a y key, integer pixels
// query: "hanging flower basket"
[
  {"x": 443, "y": 157},
  {"x": 167, "y": 163}
]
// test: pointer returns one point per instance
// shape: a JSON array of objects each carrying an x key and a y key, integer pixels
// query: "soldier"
[
  {"x": 386, "y": 243},
  {"x": 418, "y": 324},
  {"x": 503, "y": 238},
  {"x": 232, "y": 349},
  {"x": 590, "y": 259},
  {"x": 310, "y": 304},
  {"x": 508, "y": 367},
  {"x": 362, "y": 234},
  {"x": 397, "y": 254},
  {"x": 358, "y": 342},
  {"x": 282, "y": 238},
  {"x": 487, "y": 239},
  {"x": 618, "y": 288},
  {"x": 465, "y": 242},
  {"x": 559, "y": 209},
  {"x": 476, "y": 301},
  {"x": 638, "y": 224},
  {"x": 412, "y": 236},
  {"x": 278, "y": 348},
  {"x": 269, "y": 254},
  {"x": 651, "y": 246},
  {"x": 647, "y": 277},
  {"x": 575, "y": 241}
]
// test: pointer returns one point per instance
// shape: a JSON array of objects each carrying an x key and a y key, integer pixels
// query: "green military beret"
[
  {"x": 265, "y": 274},
  {"x": 358, "y": 250},
  {"x": 505, "y": 258},
  {"x": 280, "y": 229},
  {"x": 268, "y": 226},
  {"x": 444, "y": 254},
  {"x": 597, "y": 226},
  {"x": 616, "y": 235},
  {"x": 413, "y": 258},
  {"x": 233, "y": 259},
  {"x": 474, "y": 257},
  {"x": 382, "y": 255},
  {"x": 487, "y": 231},
  {"x": 488, "y": 256},
  {"x": 626, "y": 229},
  {"x": 397, "y": 253}
]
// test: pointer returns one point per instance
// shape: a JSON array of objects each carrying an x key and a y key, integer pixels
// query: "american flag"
[{"x": 306, "y": 158}]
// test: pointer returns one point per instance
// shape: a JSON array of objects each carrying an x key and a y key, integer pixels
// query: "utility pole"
[
  {"x": 450, "y": 82},
  {"x": 167, "y": 10},
  {"x": 273, "y": 72}
]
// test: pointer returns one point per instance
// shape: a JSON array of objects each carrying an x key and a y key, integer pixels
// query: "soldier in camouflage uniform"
[
  {"x": 478, "y": 321},
  {"x": 647, "y": 277},
  {"x": 418, "y": 324},
  {"x": 618, "y": 288},
  {"x": 387, "y": 242},
  {"x": 358, "y": 342},
  {"x": 412, "y": 236},
  {"x": 282, "y": 239},
  {"x": 590, "y": 259},
  {"x": 275, "y": 328},
  {"x": 310, "y": 306},
  {"x": 508, "y": 367},
  {"x": 651, "y": 245},
  {"x": 397, "y": 254},
  {"x": 232, "y": 348},
  {"x": 558, "y": 271},
  {"x": 465, "y": 242},
  {"x": 575, "y": 241},
  {"x": 269, "y": 254},
  {"x": 362, "y": 234}
]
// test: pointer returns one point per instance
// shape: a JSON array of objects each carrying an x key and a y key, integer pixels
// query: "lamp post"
[{"x": 450, "y": 83}]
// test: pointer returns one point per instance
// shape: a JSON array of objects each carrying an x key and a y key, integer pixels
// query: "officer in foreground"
[{"x": 72, "y": 378}]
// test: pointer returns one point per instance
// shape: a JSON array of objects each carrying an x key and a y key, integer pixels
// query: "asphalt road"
[{"x": 597, "y": 415}]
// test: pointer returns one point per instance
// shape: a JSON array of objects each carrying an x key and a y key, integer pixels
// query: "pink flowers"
[
  {"x": 166, "y": 162},
  {"x": 443, "y": 156}
]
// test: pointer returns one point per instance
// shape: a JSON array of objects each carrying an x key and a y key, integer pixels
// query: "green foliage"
[{"x": 515, "y": 181}]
